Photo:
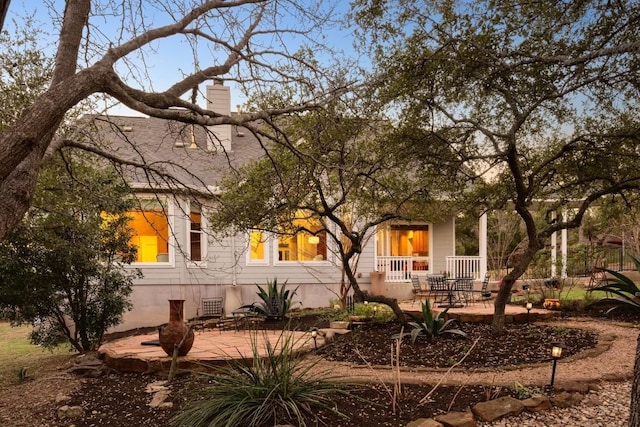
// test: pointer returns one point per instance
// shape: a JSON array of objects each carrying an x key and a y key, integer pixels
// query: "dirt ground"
[{"x": 117, "y": 399}]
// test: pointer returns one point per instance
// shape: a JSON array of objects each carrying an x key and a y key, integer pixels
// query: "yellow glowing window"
[
  {"x": 256, "y": 245},
  {"x": 305, "y": 245},
  {"x": 403, "y": 240},
  {"x": 150, "y": 227}
]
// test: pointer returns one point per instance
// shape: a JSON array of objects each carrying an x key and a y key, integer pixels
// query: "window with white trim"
[
  {"x": 305, "y": 245},
  {"x": 257, "y": 252},
  {"x": 197, "y": 238},
  {"x": 150, "y": 225}
]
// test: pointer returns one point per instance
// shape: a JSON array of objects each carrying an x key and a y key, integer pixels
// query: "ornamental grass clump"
[{"x": 280, "y": 387}]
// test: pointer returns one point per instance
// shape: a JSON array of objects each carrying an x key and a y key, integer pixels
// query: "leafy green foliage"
[
  {"x": 345, "y": 169},
  {"x": 490, "y": 90},
  {"x": 627, "y": 293},
  {"x": 362, "y": 309},
  {"x": 62, "y": 269},
  {"x": 430, "y": 325},
  {"x": 275, "y": 301},
  {"x": 283, "y": 387},
  {"x": 25, "y": 70}
]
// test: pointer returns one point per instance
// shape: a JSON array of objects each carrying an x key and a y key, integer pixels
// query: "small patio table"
[
  {"x": 244, "y": 313},
  {"x": 451, "y": 289}
]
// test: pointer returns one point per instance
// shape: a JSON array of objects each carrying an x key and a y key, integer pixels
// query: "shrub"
[
  {"x": 63, "y": 269},
  {"x": 283, "y": 387}
]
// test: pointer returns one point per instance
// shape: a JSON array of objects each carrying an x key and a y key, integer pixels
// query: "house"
[{"x": 173, "y": 165}]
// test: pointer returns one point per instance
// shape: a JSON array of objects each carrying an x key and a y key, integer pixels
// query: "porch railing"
[
  {"x": 463, "y": 266},
  {"x": 400, "y": 268}
]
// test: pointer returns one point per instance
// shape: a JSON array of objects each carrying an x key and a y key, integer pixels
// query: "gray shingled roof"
[{"x": 167, "y": 146}]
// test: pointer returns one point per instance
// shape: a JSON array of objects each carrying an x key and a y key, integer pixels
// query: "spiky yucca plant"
[{"x": 259, "y": 391}]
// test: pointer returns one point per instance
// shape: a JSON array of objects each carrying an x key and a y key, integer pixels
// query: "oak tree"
[
  {"x": 342, "y": 169},
  {"x": 537, "y": 100},
  {"x": 107, "y": 49}
]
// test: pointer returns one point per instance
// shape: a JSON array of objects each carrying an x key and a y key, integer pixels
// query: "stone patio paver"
[
  {"x": 209, "y": 346},
  {"x": 215, "y": 346}
]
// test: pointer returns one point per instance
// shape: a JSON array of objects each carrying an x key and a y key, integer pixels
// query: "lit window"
[
  {"x": 304, "y": 246},
  {"x": 257, "y": 252},
  {"x": 150, "y": 227},
  {"x": 196, "y": 238},
  {"x": 404, "y": 240}
]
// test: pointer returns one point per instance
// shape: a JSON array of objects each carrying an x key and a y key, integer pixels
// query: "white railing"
[
  {"x": 463, "y": 266},
  {"x": 400, "y": 268}
]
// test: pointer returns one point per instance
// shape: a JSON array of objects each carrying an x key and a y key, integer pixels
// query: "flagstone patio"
[{"x": 214, "y": 346}]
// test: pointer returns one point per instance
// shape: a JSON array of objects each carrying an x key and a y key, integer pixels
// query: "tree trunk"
[
  {"x": 23, "y": 145},
  {"x": 634, "y": 411},
  {"x": 361, "y": 296},
  {"x": 16, "y": 192},
  {"x": 497, "y": 325}
]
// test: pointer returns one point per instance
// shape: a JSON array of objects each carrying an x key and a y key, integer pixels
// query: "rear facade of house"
[{"x": 181, "y": 260}]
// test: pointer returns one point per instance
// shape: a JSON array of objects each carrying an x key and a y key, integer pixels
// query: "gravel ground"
[
  {"x": 611, "y": 369},
  {"x": 608, "y": 407}
]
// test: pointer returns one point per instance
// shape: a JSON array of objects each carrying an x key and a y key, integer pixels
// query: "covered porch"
[
  {"x": 400, "y": 269},
  {"x": 404, "y": 251}
]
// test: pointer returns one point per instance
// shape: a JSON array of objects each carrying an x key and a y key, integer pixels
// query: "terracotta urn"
[
  {"x": 551, "y": 304},
  {"x": 172, "y": 333}
]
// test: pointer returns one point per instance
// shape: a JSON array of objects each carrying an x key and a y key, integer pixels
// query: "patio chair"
[
  {"x": 418, "y": 291},
  {"x": 485, "y": 294},
  {"x": 438, "y": 288},
  {"x": 209, "y": 309},
  {"x": 212, "y": 307},
  {"x": 464, "y": 289}
]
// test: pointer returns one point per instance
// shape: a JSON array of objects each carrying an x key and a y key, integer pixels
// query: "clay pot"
[
  {"x": 172, "y": 333},
  {"x": 551, "y": 304}
]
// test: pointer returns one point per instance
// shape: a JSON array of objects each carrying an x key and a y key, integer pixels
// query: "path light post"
[
  {"x": 375, "y": 310},
  {"x": 529, "y": 306},
  {"x": 314, "y": 335},
  {"x": 556, "y": 353}
]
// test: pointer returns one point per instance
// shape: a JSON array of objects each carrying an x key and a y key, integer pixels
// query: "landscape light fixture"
[
  {"x": 529, "y": 306},
  {"x": 314, "y": 335},
  {"x": 556, "y": 353},
  {"x": 375, "y": 309}
]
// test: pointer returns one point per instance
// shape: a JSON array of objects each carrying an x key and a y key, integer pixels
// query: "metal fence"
[{"x": 580, "y": 263}]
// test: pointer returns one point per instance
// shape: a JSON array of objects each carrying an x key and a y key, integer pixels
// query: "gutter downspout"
[{"x": 234, "y": 272}]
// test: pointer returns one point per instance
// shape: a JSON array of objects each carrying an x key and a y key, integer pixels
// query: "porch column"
[
  {"x": 554, "y": 254},
  {"x": 482, "y": 244},
  {"x": 564, "y": 246}
]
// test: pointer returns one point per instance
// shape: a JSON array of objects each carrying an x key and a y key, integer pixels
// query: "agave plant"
[
  {"x": 627, "y": 293},
  {"x": 275, "y": 302},
  {"x": 431, "y": 325}
]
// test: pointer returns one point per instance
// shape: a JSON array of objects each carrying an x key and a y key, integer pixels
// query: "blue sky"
[{"x": 171, "y": 57}]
